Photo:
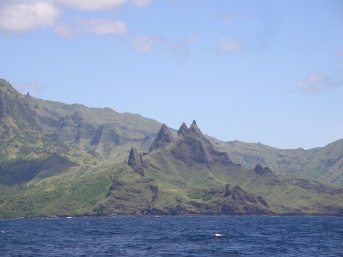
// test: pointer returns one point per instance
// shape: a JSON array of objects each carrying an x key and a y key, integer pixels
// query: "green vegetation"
[
  {"x": 324, "y": 164},
  {"x": 200, "y": 194},
  {"x": 70, "y": 160}
]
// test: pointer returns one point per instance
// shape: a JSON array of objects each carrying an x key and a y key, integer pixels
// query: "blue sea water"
[{"x": 173, "y": 236}]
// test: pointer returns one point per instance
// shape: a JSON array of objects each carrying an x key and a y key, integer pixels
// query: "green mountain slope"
[
  {"x": 322, "y": 163},
  {"x": 191, "y": 160},
  {"x": 182, "y": 175},
  {"x": 102, "y": 133},
  {"x": 70, "y": 160},
  {"x": 20, "y": 132},
  {"x": 30, "y": 127},
  {"x": 33, "y": 131}
]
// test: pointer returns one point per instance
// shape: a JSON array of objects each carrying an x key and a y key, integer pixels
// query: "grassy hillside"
[
  {"x": 70, "y": 160},
  {"x": 284, "y": 194},
  {"x": 185, "y": 176},
  {"x": 322, "y": 163},
  {"x": 103, "y": 133}
]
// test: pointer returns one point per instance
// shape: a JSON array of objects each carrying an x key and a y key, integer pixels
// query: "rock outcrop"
[
  {"x": 182, "y": 129},
  {"x": 193, "y": 147},
  {"x": 164, "y": 137},
  {"x": 260, "y": 170},
  {"x": 136, "y": 162}
]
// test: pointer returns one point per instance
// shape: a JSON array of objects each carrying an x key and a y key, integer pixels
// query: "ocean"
[{"x": 173, "y": 236}]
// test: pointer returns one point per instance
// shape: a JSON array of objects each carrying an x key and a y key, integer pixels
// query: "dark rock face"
[
  {"x": 164, "y": 137},
  {"x": 260, "y": 170},
  {"x": 182, "y": 129},
  {"x": 135, "y": 161},
  {"x": 195, "y": 148},
  {"x": 97, "y": 136}
]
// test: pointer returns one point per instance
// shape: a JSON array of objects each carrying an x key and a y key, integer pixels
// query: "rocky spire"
[
  {"x": 194, "y": 147},
  {"x": 135, "y": 161},
  {"x": 182, "y": 129},
  {"x": 164, "y": 137},
  {"x": 194, "y": 128}
]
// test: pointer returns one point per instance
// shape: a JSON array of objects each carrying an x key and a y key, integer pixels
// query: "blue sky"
[{"x": 254, "y": 71}]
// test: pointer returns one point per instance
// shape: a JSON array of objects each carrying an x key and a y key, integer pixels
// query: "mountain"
[
  {"x": 70, "y": 160},
  {"x": 33, "y": 128},
  {"x": 33, "y": 132},
  {"x": 102, "y": 133},
  {"x": 321, "y": 163},
  {"x": 185, "y": 176},
  {"x": 191, "y": 161},
  {"x": 20, "y": 131}
]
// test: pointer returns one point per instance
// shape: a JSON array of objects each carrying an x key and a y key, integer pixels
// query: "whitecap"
[{"x": 218, "y": 235}]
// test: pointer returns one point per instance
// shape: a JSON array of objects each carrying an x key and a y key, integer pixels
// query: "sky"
[{"x": 254, "y": 71}]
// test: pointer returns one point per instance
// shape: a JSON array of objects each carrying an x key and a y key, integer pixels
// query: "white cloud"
[
  {"x": 65, "y": 31},
  {"x": 22, "y": 16},
  {"x": 35, "y": 87},
  {"x": 317, "y": 83},
  {"x": 102, "y": 26},
  {"x": 229, "y": 45},
  {"x": 93, "y": 26},
  {"x": 144, "y": 43},
  {"x": 141, "y": 3},
  {"x": 91, "y": 5}
]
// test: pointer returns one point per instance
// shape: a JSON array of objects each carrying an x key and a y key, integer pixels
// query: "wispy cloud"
[
  {"x": 145, "y": 43},
  {"x": 91, "y": 5},
  {"x": 35, "y": 87},
  {"x": 193, "y": 38},
  {"x": 23, "y": 16},
  {"x": 141, "y": 3},
  {"x": 178, "y": 50},
  {"x": 19, "y": 16},
  {"x": 93, "y": 26},
  {"x": 102, "y": 26},
  {"x": 229, "y": 45},
  {"x": 317, "y": 83}
]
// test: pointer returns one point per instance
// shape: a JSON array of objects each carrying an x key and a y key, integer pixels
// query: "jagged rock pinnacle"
[
  {"x": 194, "y": 147},
  {"x": 135, "y": 161},
  {"x": 164, "y": 137},
  {"x": 182, "y": 129}
]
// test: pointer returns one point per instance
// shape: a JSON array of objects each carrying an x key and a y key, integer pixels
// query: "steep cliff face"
[
  {"x": 14, "y": 105},
  {"x": 192, "y": 147},
  {"x": 164, "y": 137},
  {"x": 135, "y": 161},
  {"x": 20, "y": 131}
]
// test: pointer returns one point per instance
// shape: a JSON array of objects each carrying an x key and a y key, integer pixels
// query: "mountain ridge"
[
  {"x": 69, "y": 160},
  {"x": 101, "y": 133}
]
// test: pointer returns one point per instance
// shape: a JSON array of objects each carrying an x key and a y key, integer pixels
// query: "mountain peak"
[
  {"x": 195, "y": 148},
  {"x": 164, "y": 137},
  {"x": 182, "y": 129}
]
